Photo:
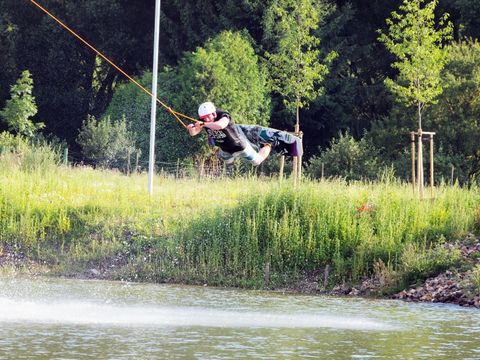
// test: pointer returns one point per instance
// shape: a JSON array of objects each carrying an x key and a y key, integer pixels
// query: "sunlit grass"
[
  {"x": 225, "y": 231},
  {"x": 70, "y": 203}
]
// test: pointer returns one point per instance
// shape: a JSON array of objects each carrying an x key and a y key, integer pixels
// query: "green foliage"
[
  {"x": 20, "y": 153},
  {"x": 456, "y": 116},
  {"x": 225, "y": 71},
  {"x": 71, "y": 81},
  {"x": 21, "y": 107},
  {"x": 419, "y": 262},
  {"x": 417, "y": 43},
  {"x": 350, "y": 85},
  {"x": 106, "y": 143},
  {"x": 295, "y": 69},
  {"x": 346, "y": 158}
]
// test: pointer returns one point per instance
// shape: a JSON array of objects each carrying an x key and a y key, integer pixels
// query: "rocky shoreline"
[
  {"x": 444, "y": 288},
  {"x": 449, "y": 287}
]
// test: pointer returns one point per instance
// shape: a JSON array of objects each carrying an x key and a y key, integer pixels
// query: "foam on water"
[{"x": 93, "y": 313}]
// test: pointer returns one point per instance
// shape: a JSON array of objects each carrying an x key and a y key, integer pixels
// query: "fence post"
[
  {"x": 297, "y": 160},
  {"x": 202, "y": 168},
  {"x": 128, "y": 161},
  {"x": 65, "y": 156},
  {"x": 137, "y": 160},
  {"x": 451, "y": 175},
  {"x": 282, "y": 166}
]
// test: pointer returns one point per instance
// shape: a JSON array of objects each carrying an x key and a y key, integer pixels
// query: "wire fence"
[{"x": 210, "y": 167}]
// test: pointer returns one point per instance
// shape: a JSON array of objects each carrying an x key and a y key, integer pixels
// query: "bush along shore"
[{"x": 369, "y": 239}]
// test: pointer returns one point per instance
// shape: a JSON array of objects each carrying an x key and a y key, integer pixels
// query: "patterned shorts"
[
  {"x": 248, "y": 153},
  {"x": 283, "y": 143}
]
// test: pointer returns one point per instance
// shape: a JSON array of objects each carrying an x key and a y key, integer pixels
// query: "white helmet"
[{"x": 205, "y": 109}]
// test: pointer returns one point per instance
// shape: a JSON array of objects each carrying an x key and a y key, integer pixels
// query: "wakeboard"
[{"x": 283, "y": 143}]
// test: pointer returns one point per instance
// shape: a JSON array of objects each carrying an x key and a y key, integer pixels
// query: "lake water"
[{"x": 44, "y": 318}]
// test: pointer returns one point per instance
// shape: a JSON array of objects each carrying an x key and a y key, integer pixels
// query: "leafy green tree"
[
  {"x": 106, "y": 143},
  {"x": 455, "y": 118},
  {"x": 21, "y": 107},
  {"x": 417, "y": 43},
  {"x": 295, "y": 69},
  {"x": 457, "y": 113},
  {"x": 225, "y": 70}
]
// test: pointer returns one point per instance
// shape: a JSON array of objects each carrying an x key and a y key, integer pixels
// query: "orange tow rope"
[{"x": 170, "y": 110}]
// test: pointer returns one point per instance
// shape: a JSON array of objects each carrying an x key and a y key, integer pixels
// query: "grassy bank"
[{"x": 237, "y": 232}]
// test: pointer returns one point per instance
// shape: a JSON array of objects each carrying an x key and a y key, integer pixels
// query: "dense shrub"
[
  {"x": 346, "y": 158},
  {"x": 106, "y": 143}
]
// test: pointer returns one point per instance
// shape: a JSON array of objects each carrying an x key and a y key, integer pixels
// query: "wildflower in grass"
[{"x": 365, "y": 207}]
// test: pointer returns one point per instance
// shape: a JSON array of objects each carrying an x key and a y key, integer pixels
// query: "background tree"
[
  {"x": 21, "y": 107},
  {"x": 70, "y": 82},
  {"x": 465, "y": 16},
  {"x": 225, "y": 70},
  {"x": 187, "y": 24},
  {"x": 295, "y": 69},
  {"x": 8, "y": 43},
  {"x": 417, "y": 43},
  {"x": 457, "y": 113},
  {"x": 355, "y": 95}
]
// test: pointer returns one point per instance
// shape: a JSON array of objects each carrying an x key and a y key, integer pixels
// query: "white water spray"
[{"x": 93, "y": 313}]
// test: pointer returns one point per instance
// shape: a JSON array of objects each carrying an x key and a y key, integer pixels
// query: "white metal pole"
[{"x": 153, "y": 115}]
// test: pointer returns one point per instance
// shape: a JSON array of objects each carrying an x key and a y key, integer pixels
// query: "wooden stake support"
[
  {"x": 297, "y": 160},
  {"x": 418, "y": 175}
]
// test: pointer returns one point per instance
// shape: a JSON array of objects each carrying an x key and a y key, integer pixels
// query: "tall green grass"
[
  {"x": 348, "y": 227},
  {"x": 228, "y": 231}
]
